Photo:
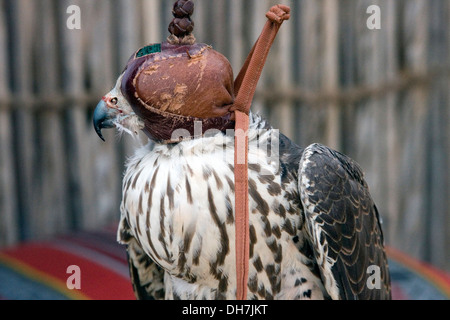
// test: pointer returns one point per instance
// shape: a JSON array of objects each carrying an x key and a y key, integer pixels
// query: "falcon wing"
[
  {"x": 146, "y": 276},
  {"x": 343, "y": 224}
]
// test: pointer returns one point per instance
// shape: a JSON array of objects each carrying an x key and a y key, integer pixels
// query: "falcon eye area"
[{"x": 114, "y": 101}]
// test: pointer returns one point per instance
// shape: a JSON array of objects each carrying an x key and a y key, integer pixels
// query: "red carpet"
[{"x": 101, "y": 261}]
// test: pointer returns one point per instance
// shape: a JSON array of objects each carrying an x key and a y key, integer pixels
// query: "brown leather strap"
[
  {"x": 245, "y": 87},
  {"x": 241, "y": 203}
]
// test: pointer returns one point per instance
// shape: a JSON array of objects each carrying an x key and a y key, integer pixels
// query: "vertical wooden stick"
[
  {"x": 23, "y": 14},
  {"x": 50, "y": 189},
  {"x": 8, "y": 199}
]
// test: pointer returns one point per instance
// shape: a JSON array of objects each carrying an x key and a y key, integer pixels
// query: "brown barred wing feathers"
[
  {"x": 343, "y": 225},
  {"x": 146, "y": 276}
]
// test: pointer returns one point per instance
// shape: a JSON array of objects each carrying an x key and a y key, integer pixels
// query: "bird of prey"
[
  {"x": 314, "y": 228},
  {"x": 315, "y": 232}
]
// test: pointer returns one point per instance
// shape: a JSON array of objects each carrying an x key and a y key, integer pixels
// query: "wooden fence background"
[{"x": 380, "y": 96}]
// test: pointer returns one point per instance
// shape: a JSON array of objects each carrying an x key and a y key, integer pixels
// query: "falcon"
[{"x": 314, "y": 229}]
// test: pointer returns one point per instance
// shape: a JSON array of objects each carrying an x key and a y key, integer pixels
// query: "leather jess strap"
[{"x": 245, "y": 87}]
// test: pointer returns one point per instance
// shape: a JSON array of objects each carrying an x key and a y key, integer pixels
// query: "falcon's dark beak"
[{"x": 103, "y": 118}]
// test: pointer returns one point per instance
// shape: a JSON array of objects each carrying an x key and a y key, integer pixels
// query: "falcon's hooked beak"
[{"x": 104, "y": 115}]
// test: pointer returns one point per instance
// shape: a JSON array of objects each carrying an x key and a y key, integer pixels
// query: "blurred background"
[{"x": 381, "y": 96}]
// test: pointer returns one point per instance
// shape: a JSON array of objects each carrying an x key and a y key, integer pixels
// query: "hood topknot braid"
[{"x": 182, "y": 26}]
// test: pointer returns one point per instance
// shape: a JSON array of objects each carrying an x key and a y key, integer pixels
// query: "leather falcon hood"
[{"x": 174, "y": 84}]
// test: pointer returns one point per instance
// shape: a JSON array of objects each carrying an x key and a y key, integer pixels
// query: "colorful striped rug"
[{"x": 39, "y": 271}]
